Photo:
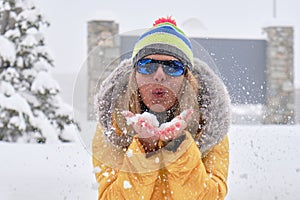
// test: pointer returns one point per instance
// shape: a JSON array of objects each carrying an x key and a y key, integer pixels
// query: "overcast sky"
[{"x": 66, "y": 37}]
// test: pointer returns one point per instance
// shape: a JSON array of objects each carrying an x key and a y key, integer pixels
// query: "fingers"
[
  {"x": 172, "y": 131},
  {"x": 186, "y": 114},
  {"x": 130, "y": 117},
  {"x": 127, "y": 113},
  {"x": 147, "y": 125},
  {"x": 177, "y": 125},
  {"x": 143, "y": 123}
]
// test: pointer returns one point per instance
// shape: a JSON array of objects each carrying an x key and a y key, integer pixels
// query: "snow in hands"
[{"x": 147, "y": 122}]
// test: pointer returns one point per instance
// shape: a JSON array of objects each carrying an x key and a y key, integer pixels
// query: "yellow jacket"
[{"x": 187, "y": 176}]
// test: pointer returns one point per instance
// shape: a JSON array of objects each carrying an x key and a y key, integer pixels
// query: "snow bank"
[
  {"x": 35, "y": 171},
  {"x": 264, "y": 164}
]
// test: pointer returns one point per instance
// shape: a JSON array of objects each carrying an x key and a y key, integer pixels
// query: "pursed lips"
[{"x": 158, "y": 92}]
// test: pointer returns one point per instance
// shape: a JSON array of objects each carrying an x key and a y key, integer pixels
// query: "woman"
[{"x": 163, "y": 122}]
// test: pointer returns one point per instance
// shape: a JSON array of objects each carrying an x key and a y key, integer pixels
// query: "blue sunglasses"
[{"x": 170, "y": 67}]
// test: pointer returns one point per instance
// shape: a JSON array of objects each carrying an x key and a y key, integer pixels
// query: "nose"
[{"x": 159, "y": 75}]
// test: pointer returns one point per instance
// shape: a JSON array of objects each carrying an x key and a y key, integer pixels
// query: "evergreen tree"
[{"x": 31, "y": 109}]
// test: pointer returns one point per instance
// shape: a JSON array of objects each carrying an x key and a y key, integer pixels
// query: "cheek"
[
  {"x": 142, "y": 80},
  {"x": 145, "y": 91},
  {"x": 176, "y": 84}
]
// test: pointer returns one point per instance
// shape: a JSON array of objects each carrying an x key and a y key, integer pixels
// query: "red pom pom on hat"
[{"x": 163, "y": 20}]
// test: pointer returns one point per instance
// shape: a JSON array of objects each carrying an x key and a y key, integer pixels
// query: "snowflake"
[
  {"x": 127, "y": 185},
  {"x": 105, "y": 174},
  {"x": 96, "y": 170},
  {"x": 129, "y": 153}
]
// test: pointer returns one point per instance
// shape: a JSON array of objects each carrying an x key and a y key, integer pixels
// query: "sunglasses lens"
[
  {"x": 175, "y": 68},
  {"x": 145, "y": 66},
  {"x": 149, "y": 66}
]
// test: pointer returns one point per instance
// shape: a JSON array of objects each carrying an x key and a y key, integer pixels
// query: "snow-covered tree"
[{"x": 31, "y": 109}]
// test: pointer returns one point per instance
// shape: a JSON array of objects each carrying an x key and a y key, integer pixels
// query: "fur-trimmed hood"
[{"x": 215, "y": 106}]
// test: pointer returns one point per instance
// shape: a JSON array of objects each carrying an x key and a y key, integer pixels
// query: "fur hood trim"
[{"x": 215, "y": 107}]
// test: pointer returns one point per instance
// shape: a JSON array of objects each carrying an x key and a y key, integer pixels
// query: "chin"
[{"x": 157, "y": 108}]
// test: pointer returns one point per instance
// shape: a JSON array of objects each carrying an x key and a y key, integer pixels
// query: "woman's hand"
[
  {"x": 171, "y": 130},
  {"x": 149, "y": 132},
  {"x": 146, "y": 126}
]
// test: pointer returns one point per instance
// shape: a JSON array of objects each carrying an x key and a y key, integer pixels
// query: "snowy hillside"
[{"x": 264, "y": 164}]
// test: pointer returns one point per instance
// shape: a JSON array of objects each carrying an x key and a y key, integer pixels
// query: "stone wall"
[
  {"x": 103, "y": 55},
  {"x": 279, "y": 107}
]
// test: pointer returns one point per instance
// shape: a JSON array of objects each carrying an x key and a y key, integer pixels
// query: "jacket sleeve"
[
  {"x": 193, "y": 177},
  {"x": 128, "y": 175}
]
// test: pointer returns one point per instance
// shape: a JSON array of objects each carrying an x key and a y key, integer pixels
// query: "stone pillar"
[
  {"x": 297, "y": 106},
  {"x": 279, "y": 107},
  {"x": 103, "y": 55}
]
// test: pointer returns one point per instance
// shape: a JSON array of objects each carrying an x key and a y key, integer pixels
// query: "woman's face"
[{"x": 158, "y": 90}]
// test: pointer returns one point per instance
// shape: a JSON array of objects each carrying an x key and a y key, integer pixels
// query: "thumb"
[
  {"x": 186, "y": 114},
  {"x": 127, "y": 113},
  {"x": 130, "y": 117}
]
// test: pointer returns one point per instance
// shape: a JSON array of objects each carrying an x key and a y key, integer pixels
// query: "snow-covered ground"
[{"x": 264, "y": 164}]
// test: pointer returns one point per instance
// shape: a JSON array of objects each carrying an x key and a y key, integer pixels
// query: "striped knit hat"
[{"x": 164, "y": 38}]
